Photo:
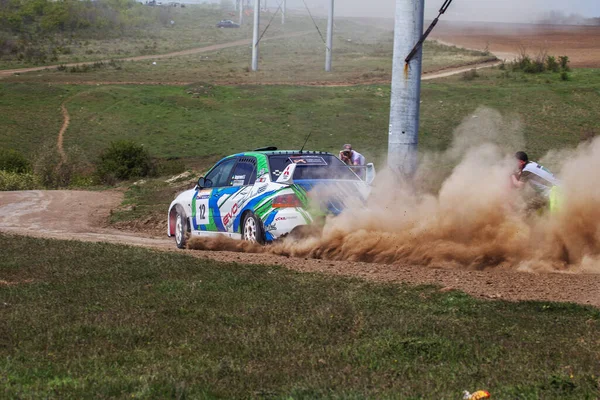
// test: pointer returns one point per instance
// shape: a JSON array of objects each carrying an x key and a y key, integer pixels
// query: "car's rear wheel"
[
  {"x": 180, "y": 228},
  {"x": 252, "y": 229}
]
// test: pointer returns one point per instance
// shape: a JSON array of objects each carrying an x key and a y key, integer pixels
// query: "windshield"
[{"x": 311, "y": 166}]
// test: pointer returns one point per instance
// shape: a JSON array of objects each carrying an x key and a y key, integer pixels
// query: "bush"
[
  {"x": 552, "y": 64},
  {"x": 52, "y": 172},
  {"x": 124, "y": 160},
  {"x": 564, "y": 63},
  {"x": 13, "y": 161},
  {"x": 564, "y": 76},
  {"x": 17, "y": 181}
]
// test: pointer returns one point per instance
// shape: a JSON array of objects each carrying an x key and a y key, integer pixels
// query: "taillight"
[{"x": 286, "y": 200}]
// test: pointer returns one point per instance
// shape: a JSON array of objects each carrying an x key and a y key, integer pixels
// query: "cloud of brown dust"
[{"x": 463, "y": 212}]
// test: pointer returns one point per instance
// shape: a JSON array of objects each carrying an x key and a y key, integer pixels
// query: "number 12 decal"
[{"x": 202, "y": 211}]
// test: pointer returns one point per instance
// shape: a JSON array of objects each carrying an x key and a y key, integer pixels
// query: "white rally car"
[{"x": 265, "y": 194}]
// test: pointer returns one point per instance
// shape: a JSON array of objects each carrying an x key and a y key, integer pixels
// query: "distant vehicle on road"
[{"x": 227, "y": 23}]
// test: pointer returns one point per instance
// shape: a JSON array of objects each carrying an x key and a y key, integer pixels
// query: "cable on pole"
[
  {"x": 317, "y": 26},
  {"x": 427, "y": 32},
  {"x": 269, "y": 24}
]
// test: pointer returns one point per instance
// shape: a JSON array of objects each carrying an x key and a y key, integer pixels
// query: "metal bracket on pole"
[{"x": 427, "y": 32}]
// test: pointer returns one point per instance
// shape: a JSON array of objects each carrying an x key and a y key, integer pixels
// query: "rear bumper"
[{"x": 281, "y": 222}]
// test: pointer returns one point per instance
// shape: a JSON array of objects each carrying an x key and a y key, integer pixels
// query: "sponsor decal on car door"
[{"x": 202, "y": 216}]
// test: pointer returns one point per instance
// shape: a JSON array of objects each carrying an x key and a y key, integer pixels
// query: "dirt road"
[{"x": 82, "y": 215}]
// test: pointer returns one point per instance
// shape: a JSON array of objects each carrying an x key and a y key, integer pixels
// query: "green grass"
[
  {"x": 83, "y": 320},
  {"x": 145, "y": 204},
  {"x": 194, "y": 27},
  {"x": 174, "y": 121},
  {"x": 361, "y": 54}
]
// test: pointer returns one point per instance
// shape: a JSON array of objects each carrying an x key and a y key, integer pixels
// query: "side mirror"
[
  {"x": 370, "y": 173},
  {"x": 201, "y": 182}
]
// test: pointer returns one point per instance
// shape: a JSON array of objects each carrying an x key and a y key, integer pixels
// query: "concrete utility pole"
[
  {"x": 406, "y": 88},
  {"x": 329, "y": 38},
  {"x": 235, "y": 5},
  {"x": 283, "y": 12},
  {"x": 241, "y": 21},
  {"x": 255, "y": 35}
]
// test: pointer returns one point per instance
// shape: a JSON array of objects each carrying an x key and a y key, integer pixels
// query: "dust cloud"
[{"x": 471, "y": 218}]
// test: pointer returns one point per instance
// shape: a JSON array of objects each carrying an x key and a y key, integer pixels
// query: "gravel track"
[{"x": 82, "y": 215}]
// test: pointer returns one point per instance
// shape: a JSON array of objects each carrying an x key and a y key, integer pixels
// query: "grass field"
[
  {"x": 367, "y": 58},
  {"x": 201, "y": 120},
  {"x": 361, "y": 54},
  {"x": 194, "y": 26},
  {"x": 99, "y": 320}
]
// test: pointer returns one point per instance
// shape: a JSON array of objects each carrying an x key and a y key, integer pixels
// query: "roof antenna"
[{"x": 307, "y": 136}]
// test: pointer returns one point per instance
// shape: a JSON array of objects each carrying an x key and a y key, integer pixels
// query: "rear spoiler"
[{"x": 287, "y": 176}]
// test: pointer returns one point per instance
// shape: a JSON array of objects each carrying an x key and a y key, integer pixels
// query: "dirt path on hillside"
[
  {"x": 61, "y": 132},
  {"x": 82, "y": 215},
  {"x": 196, "y": 50}
]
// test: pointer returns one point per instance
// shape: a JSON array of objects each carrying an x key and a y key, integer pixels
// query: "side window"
[
  {"x": 244, "y": 174},
  {"x": 219, "y": 176}
]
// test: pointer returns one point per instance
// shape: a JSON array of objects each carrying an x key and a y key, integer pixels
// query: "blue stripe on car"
[{"x": 250, "y": 206}]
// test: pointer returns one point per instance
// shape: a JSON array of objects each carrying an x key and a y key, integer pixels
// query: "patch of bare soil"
[
  {"x": 580, "y": 43},
  {"x": 82, "y": 215}
]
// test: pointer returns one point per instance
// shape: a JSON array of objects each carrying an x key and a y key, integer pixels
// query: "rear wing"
[{"x": 287, "y": 176}]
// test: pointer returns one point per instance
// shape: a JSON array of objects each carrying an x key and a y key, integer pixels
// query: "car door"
[
  {"x": 233, "y": 199},
  {"x": 205, "y": 211}
]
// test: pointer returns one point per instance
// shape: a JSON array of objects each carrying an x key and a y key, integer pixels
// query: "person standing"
[{"x": 351, "y": 157}]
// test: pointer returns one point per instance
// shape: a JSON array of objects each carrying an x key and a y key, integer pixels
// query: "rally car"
[{"x": 266, "y": 194}]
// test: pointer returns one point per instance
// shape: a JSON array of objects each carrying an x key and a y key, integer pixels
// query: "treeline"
[
  {"x": 40, "y": 31},
  {"x": 39, "y": 17}
]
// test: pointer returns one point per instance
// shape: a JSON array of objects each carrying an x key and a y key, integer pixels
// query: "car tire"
[
  {"x": 180, "y": 228},
  {"x": 252, "y": 230}
]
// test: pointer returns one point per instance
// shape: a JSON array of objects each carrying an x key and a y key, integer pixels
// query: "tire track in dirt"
[{"x": 82, "y": 215}]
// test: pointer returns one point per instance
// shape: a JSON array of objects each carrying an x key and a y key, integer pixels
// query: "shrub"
[
  {"x": 552, "y": 64},
  {"x": 52, "y": 172},
  {"x": 44, "y": 165},
  {"x": 564, "y": 63},
  {"x": 124, "y": 160},
  {"x": 13, "y": 161},
  {"x": 564, "y": 76},
  {"x": 17, "y": 181}
]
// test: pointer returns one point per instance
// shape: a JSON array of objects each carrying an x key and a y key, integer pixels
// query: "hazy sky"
[{"x": 480, "y": 10}]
